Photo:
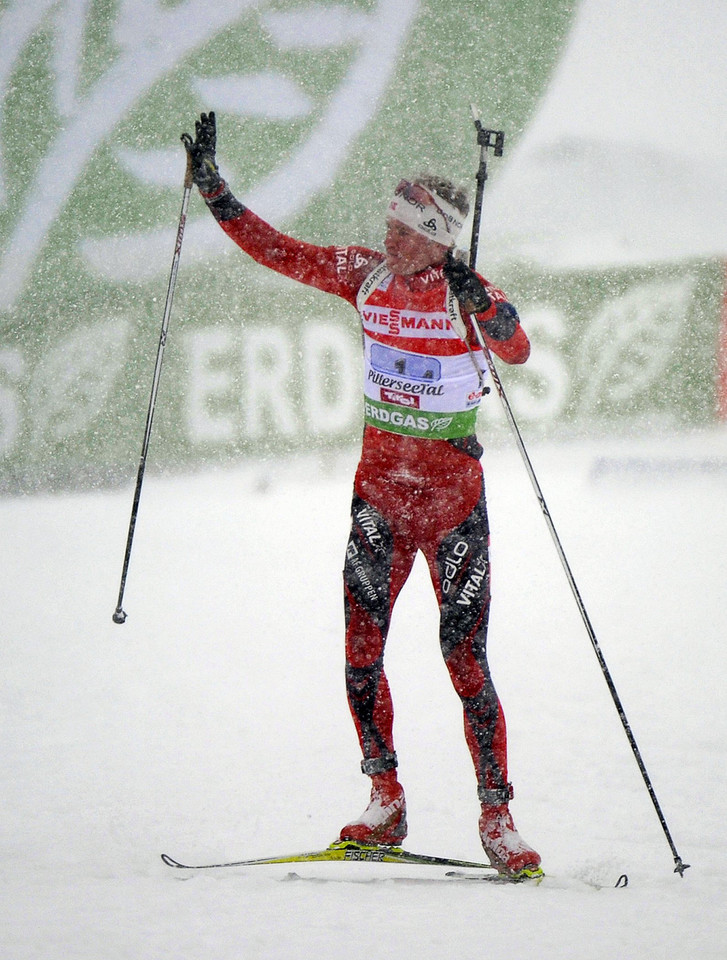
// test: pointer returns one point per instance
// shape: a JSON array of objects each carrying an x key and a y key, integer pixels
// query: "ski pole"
[
  {"x": 119, "y": 615},
  {"x": 495, "y": 139}
]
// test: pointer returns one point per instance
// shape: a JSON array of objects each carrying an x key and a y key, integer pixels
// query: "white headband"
[{"x": 425, "y": 212}]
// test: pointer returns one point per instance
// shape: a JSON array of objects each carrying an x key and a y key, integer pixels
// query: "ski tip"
[{"x": 170, "y": 862}]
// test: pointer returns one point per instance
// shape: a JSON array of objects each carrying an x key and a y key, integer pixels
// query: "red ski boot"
[
  {"x": 383, "y": 822},
  {"x": 508, "y": 852}
]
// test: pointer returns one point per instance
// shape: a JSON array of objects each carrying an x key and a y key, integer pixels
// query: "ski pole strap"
[
  {"x": 372, "y": 282},
  {"x": 373, "y": 765},
  {"x": 494, "y": 797}
]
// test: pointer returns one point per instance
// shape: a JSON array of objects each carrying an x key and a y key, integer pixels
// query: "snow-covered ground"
[{"x": 213, "y": 724}]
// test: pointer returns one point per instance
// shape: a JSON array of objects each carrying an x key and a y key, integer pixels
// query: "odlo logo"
[{"x": 453, "y": 564}]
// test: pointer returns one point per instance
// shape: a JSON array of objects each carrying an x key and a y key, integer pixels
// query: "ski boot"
[
  {"x": 383, "y": 822},
  {"x": 507, "y": 851}
]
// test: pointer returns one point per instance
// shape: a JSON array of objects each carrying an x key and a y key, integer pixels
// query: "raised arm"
[{"x": 336, "y": 270}]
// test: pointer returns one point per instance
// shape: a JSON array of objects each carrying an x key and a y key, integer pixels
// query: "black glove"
[
  {"x": 466, "y": 285},
  {"x": 503, "y": 325},
  {"x": 201, "y": 151}
]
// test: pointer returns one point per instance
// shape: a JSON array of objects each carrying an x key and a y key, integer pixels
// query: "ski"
[{"x": 348, "y": 850}]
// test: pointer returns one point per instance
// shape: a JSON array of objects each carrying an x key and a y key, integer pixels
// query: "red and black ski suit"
[{"x": 413, "y": 490}]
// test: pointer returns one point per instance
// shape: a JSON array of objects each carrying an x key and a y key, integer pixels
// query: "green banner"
[
  {"x": 624, "y": 350},
  {"x": 321, "y": 108}
]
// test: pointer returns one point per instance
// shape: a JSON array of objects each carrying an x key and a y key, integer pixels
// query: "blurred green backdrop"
[{"x": 321, "y": 108}]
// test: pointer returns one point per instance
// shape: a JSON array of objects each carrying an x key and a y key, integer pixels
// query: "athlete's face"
[{"x": 409, "y": 252}]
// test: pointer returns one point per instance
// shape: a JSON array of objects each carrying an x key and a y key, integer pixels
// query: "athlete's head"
[{"x": 423, "y": 221}]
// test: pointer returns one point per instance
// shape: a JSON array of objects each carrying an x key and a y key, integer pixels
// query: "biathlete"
[{"x": 419, "y": 484}]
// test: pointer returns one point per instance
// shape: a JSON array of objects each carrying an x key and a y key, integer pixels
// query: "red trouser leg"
[
  {"x": 460, "y": 568},
  {"x": 377, "y": 566}
]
